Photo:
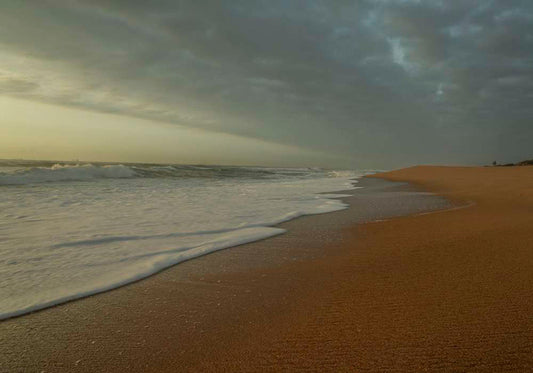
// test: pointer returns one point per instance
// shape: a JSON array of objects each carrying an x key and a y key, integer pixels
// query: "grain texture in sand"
[{"x": 446, "y": 291}]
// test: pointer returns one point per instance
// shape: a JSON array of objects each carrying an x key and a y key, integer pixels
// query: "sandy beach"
[
  {"x": 266, "y": 186},
  {"x": 382, "y": 286}
]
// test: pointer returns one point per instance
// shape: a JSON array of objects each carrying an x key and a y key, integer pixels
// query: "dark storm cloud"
[{"x": 394, "y": 81}]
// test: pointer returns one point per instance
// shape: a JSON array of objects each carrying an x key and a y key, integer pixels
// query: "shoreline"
[
  {"x": 199, "y": 273},
  {"x": 248, "y": 234},
  {"x": 338, "y": 292}
]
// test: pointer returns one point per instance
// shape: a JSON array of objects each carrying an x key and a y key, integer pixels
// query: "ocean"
[{"x": 68, "y": 229}]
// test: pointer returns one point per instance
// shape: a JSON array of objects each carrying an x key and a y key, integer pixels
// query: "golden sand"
[{"x": 449, "y": 291}]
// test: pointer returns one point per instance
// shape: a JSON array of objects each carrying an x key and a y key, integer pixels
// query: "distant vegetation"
[{"x": 528, "y": 162}]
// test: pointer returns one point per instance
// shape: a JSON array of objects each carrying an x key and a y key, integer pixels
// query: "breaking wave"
[
  {"x": 34, "y": 172},
  {"x": 60, "y": 172}
]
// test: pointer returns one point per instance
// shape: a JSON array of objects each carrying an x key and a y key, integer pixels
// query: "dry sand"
[{"x": 449, "y": 291}]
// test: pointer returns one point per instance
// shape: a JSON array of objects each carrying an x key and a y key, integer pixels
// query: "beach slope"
[
  {"x": 448, "y": 290},
  {"x": 444, "y": 291}
]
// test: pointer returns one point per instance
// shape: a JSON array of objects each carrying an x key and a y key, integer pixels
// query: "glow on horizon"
[{"x": 33, "y": 130}]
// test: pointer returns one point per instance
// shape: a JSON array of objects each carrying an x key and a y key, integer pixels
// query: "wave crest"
[{"x": 60, "y": 172}]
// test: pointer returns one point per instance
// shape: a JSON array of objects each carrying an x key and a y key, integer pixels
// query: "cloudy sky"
[{"x": 351, "y": 83}]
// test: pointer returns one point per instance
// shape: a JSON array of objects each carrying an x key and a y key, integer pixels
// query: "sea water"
[{"x": 68, "y": 230}]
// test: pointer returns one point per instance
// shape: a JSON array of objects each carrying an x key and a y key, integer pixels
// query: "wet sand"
[{"x": 449, "y": 291}]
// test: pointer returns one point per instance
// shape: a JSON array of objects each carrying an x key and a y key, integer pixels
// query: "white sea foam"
[
  {"x": 136, "y": 270},
  {"x": 64, "y": 240}
]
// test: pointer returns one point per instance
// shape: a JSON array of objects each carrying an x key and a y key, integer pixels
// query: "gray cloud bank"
[{"x": 385, "y": 82}]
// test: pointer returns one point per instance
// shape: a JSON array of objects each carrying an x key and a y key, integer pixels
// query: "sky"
[{"x": 332, "y": 83}]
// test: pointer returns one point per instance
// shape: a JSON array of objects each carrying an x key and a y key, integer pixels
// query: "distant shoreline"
[{"x": 528, "y": 162}]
